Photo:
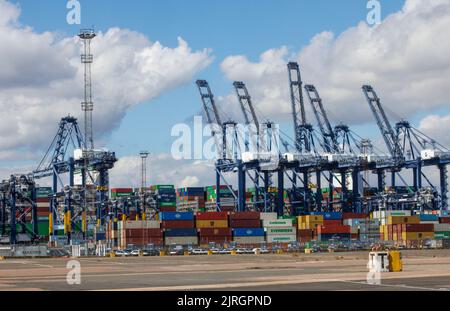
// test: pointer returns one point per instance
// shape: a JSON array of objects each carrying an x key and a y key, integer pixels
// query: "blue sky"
[{"x": 227, "y": 27}]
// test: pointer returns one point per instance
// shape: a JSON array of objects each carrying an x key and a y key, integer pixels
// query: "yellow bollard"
[
  {"x": 112, "y": 254},
  {"x": 124, "y": 217},
  {"x": 186, "y": 253},
  {"x": 395, "y": 261},
  {"x": 144, "y": 216},
  {"x": 233, "y": 252},
  {"x": 308, "y": 251},
  {"x": 162, "y": 253},
  {"x": 280, "y": 251},
  {"x": 141, "y": 254},
  {"x": 210, "y": 252},
  {"x": 2, "y": 258}
]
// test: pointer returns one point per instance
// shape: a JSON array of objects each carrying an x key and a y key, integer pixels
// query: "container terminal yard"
[{"x": 303, "y": 215}]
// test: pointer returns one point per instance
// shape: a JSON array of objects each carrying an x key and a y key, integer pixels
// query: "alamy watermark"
[
  {"x": 73, "y": 16},
  {"x": 73, "y": 277},
  {"x": 231, "y": 140},
  {"x": 374, "y": 14}
]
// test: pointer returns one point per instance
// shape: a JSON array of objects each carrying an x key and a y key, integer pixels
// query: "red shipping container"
[
  {"x": 178, "y": 224},
  {"x": 354, "y": 216},
  {"x": 245, "y": 215},
  {"x": 215, "y": 231},
  {"x": 305, "y": 233},
  {"x": 332, "y": 229},
  {"x": 417, "y": 227},
  {"x": 142, "y": 233},
  {"x": 42, "y": 200},
  {"x": 354, "y": 236},
  {"x": 444, "y": 220},
  {"x": 168, "y": 209},
  {"x": 212, "y": 216},
  {"x": 332, "y": 223},
  {"x": 245, "y": 223}
]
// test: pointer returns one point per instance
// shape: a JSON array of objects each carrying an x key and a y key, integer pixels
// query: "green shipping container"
[{"x": 442, "y": 235}]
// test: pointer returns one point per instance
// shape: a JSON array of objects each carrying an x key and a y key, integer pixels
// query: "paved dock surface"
[{"x": 423, "y": 270}]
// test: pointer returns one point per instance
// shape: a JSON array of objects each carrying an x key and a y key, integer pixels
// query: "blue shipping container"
[
  {"x": 329, "y": 215},
  {"x": 180, "y": 232},
  {"x": 100, "y": 236},
  {"x": 248, "y": 232},
  {"x": 429, "y": 217},
  {"x": 176, "y": 216}
]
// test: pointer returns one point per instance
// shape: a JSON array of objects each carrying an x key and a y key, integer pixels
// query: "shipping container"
[
  {"x": 354, "y": 216},
  {"x": 268, "y": 216},
  {"x": 441, "y": 227},
  {"x": 412, "y": 236},
  {"x": 281, "y": 231},
  {"x": 177, "y": 224},
  {"x": 245, "y": 223},
  {"x": 212, "y": 216},
  {"x": 212, "y": 223},
  {"x": 417, "y": 228},
  {"x": 183, "y": 240},
  {"x": 429, "y": 217},
  {"x": 180, "y": 232},
  {"x": 248, "y": 232},
  {"x": 176, "y": 216},
  {"x": 277, "y": 223},
  {"x": 395, "y": 220},
  {"x": 333, "y": 229},
  {"x": 215, "y": 239},
  {"x": 444, "y": 220},
  {"x": 329, "y": 215},
  {"x": 215, "y": 231},
  {"x": 244, "y": 216},
  {"x": 332, "y": 222}
]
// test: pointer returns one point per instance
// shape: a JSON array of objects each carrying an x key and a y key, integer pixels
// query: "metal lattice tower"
[
  {"x": 87, "y": 106},
  {"x": 144, "y": 155}
]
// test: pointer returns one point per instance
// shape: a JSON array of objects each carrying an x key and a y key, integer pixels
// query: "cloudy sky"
[{"x": 148, "y": 55}]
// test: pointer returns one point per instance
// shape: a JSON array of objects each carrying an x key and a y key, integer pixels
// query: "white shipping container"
[
  {"x": 281, "y": 238},
  {"x": 42, "y": 205},
  {"x": 249, "y": 239},
  {"x": 441, "y": 227},
  {"x": 185, "y": 240},
  {"x": 278, "y": 223},
  {"x": 354, "y": 230},
  {"x": 268, "y": 216},
  {"x": 430, "y": 222},
  {"x": 281, "y": 231}
]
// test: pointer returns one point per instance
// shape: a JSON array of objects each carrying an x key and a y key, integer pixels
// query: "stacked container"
[
  {"x": 139, "y": 233},
  {"x": 310, "y": 222},
  {"x": 166, "y": 197},
  {"x": 280, "y": 231},
  {"x": 227, "y": 200},
  {"x": 121, "y": 192},
  {"x": 245, "y": 220},
  {"x": 341, "y": 232},
  {"x": 442, "y": 231},
  {"x": 192, "y": 195},
  {"x": 247, "y": 236},
  {"x": 179, "y": 228}
]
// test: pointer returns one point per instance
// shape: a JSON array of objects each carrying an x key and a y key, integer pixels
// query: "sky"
[{"x": 149, "y": 53}]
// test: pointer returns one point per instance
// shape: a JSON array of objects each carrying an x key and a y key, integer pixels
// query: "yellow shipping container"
[
  {"x": 414, "y": 236},
  {"x": 386, "y": 235},
  {"x": 212, "y": 224},
  {"x": 304, "y": 226},
  {"x": 395, "y": 236},
  {"x": 398, "y": 220},
  {"x": 311, "y": 219}
]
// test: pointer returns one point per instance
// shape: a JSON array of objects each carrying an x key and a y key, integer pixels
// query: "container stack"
[
  {"x": 166, "y": 197},
  {"x": 215, "y": 235},
  {"x": 245, "y": 220},
  {"x": 179, "y": 228},
  {"x": 280, "y": 231},
  {"x": 211, "y": 220},
  {"x": 329, "y": 232},
  {"x": 442, "y": 231},
  {"x": 43, "y": 195},
  {"x": 192, "y": 195},
  {"x": 139, "y": 233},
  {"x": 227, "y": 201},
  {"x": 117, "y": 193},
  {"x": 414, "y": 232},
  {"x": 248, "y": 236},
  {"x": 310, "y": 222}
]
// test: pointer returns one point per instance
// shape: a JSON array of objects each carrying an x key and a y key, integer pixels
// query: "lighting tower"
[
  {"x": 87, "y": 106},
  {"x": 144, "y": 155}
]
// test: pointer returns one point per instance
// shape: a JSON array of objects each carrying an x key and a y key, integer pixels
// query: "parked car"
[
  {"x": 215, "y": 251},
  {"x": 262, "y": 250},
  {"x": 199, "y": 251}
]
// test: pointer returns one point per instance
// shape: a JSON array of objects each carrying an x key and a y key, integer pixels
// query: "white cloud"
[
  {"x": 405, "y": 58},
  {"x": 437, "y": 127},
  {"x": 41, "y": 78},
  {"x": 162, "y": 169}
]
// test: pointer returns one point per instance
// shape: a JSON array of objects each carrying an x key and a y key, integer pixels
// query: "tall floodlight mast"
[{"x": 87, "y": 106}]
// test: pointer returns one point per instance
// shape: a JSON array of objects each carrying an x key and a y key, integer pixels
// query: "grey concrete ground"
[{"x": 423, "y": 270}]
